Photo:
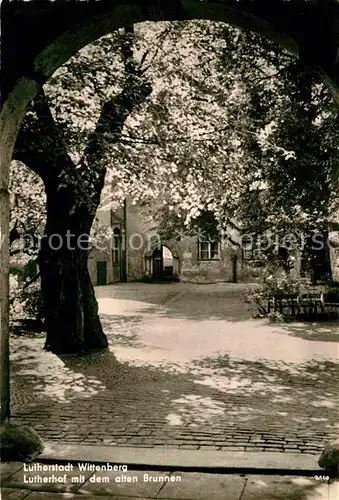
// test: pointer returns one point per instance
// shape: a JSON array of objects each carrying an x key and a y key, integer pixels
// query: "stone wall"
[
  {"x": 96, "y": 256},
  {"x": 193, "y": 269},
  {"x": 333, "y": 240},
  {"x": 229, "y": 267},
  {"x": 139, "y": 231}
]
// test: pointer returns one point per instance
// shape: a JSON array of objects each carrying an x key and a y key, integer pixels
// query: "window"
[
  {"x": 208, "y": 250},
  {"x": 251, "y": 248},
  {"x": 116, "y": 244}
]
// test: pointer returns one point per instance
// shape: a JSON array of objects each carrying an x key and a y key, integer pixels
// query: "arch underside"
[
  {"x": 59, "y": 51},
  {"x": 149, "y": 260},
  {"x": 71, "y": 26},
  {"x": 166, "y": 243}
]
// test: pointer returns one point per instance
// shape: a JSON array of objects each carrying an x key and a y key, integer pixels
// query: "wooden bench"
[{"x": 309, "y": 300}]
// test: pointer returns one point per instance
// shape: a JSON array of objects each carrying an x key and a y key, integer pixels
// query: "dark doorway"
[
  {"x": 116, "y": 255},
  {"x": 101, "y": 272},
  {"x": 157, "y": 264},
  {"x": 162, "y": 260}
]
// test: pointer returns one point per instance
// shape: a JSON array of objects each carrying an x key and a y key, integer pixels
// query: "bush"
[
  {"x": 25, "y": 303},
  {"x": 276, "y": 317},
  {"x": 282, "y": 297},
  {"x": 333, "y": 284},
  {"x": 272, "y": 291},
  {"x": 331, "y": 294},
  {"x": 19, "y": 442}
]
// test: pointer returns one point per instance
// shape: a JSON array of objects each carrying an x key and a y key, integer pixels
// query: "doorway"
[
  {"x": 167, "y": 259},
  {"x": 116, "y": 255},
  {"x": 162, "y": 264},
  {"x": 101, "y": 272},
  {"x": 157, "y": 264}
]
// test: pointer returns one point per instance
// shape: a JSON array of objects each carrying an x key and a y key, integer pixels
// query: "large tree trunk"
[
  {"x": 70, "y": 306},
  {"x": 71, "y": 309}
]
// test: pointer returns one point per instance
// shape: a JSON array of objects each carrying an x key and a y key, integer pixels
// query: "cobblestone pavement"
[
  {"x": 187, "y": 368},
  {"x": 18, "y": 483}
]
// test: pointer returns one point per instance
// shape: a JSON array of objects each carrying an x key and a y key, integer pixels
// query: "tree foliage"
[
  {"x": 28, "y": 213},
  {"x": 222, "y": 130},
  {"x": 230, "y": 129}
]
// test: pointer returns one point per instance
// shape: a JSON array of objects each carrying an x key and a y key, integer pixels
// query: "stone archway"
[
  {"x": 72, "y": 25},
  {"x": 157, "y": 246}
]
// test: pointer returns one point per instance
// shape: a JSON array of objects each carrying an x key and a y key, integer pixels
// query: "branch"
[
  {"x": 40, "y": 145},
  {"x": 143, "y": 58},
  {"x": 31, "y": 160},
  {"x": 268, "y": 77},
  {"x": 115, "y": 111},
  {"x": 14, "y": 233},
  {"x": 205, "y": 136},
  {"x": 15, "y": 252},
  {"x": 161, "y": 37},
  {"x": 33, "y": 280},
  {"x": 230, "y": 239}
]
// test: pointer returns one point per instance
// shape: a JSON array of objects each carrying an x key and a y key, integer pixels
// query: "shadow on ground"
[
  {"x": 219, "y": 404},
  {"x": 177, "y": 379},
  {"x": 180, "y": 300},
  {"x": 113, "y": 325},
  {"x": 321, "y": 332}
]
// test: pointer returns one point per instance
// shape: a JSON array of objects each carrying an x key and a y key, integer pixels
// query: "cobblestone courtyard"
[{"x": 187, "y": 368}]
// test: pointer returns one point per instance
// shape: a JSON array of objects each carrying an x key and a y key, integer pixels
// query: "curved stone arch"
[
  {"x": 176, "y": 254},
  {"x": 174, "y": 249},
  {"x": 170, "y": 244},
  {"x": 278, "y": 22}
]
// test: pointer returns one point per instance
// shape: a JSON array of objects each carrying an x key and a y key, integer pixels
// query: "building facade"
[{"x": 136, "y": 252}]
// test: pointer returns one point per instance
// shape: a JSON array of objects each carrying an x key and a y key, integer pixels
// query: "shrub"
[
  {"x": 274, "y": 289},
  {"x": 331, "y": 294},
  {"x": 282, "y": 298},
  {"x": 25, "y": 303},
  {"x": 276, "y": 317},
  {"x": 19, "y": 442}
]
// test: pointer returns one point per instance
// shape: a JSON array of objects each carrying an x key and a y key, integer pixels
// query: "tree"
[
  {"x": 73, "y": 195},
  {"x": 292, "y": 196}
]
